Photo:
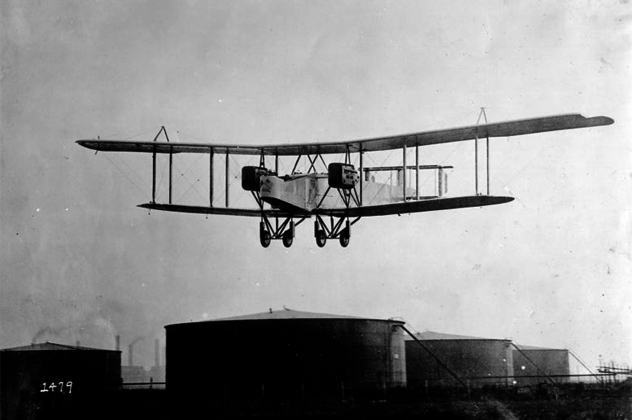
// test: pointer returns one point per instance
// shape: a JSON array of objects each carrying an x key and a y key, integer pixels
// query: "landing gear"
[
  {"x": 321, "y": 238},
  {"x": 274, "y": 224},
  {"x": 341, "y": 230},
  {"x": 264, "y": 235},
  {"x": 288, "y": 238},
  {"x": 277, "y": 230},
  {"x": 265, "y": 239},
  {"x": 343, "y": 178},
  {"x": 344, "y": 238}
]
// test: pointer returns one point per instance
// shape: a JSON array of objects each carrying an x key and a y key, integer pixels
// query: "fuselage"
[{"x": 306, "y": 192}]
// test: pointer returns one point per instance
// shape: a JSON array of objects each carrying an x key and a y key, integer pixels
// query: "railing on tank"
[{"x": 144, "y": 385}]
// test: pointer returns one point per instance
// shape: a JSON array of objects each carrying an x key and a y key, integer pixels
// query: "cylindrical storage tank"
[
  {"x": 442, "y": 358},
  {"x": 50, "y": 380},
  {"x": 534, "y": 365},
  {"x": 287, "y": 354}
]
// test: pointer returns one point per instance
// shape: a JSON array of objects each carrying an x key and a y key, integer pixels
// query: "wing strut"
[
  {"x": 170, "y": 174},
  {"x": 227, "y": 175},
  {"x": 482, "y": 115},
  {"x": 404, "y": 172},
  {"x": 361, "y": 173},
  {"x": 153, "y": 177},
  {"x": 416, "y": 172},
  {"x": 298, "y": 159},
  {"x": 312, "y": 163},
  {"x": 211, "y": 154}
]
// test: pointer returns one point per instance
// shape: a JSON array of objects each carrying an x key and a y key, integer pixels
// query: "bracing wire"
[
  {"x": 131, "y": 170},
  {"x": 137, "y": 135},
  {"x": 192, "y": 186},
  {"x": 129, "y": 137},
  {"x": 125, "y": 175},
  {"x": 236, "y": 175},
  {"x": 188, "y": 168},
  {"x": 191, "y": 136}
]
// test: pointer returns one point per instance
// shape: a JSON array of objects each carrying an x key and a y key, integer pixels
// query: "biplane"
[{"x": 333, "y": 190}]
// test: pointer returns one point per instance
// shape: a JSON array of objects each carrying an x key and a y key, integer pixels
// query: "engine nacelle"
[
  {"x": 342, "y": 175},
  {"x": 251, "y": 177}
]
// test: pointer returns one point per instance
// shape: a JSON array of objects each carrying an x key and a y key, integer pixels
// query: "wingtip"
[
  {"x": 600, "y": 120},
  {"x": 502, "y": 199},
  {"x": 83, "y": 143}
]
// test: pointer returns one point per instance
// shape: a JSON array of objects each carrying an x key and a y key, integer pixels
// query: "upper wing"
[{"x": 503, "y": 129}]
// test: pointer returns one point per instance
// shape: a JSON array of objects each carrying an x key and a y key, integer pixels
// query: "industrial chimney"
[
  {"x": 131, "y": 349},
  {"x": 157, "y": 352}
]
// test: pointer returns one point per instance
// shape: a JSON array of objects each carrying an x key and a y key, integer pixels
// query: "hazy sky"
[{"x": 80, "y": 262}]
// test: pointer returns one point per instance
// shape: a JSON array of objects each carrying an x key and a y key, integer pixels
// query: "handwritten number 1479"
[{"x": 57, "y": 387}]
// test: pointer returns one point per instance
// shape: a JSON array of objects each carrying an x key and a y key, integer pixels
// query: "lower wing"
[
  {"x": 417, "y": 206},
  {"x": 363, "y": 211}
]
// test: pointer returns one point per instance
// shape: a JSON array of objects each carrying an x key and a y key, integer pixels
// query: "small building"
[
  {"x": 535, "y": 365},
  {"x": 134, "y": 375},
  {"x": 439, "y": 359},
  {"x": 287, "y": 354},
  {"x": 38, "y": 376}
]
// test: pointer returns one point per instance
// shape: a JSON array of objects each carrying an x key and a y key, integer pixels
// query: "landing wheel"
[
  {"x": 265, "y": 238},
  {"x": 288, "y": 239},
  {"x": 321, "y": 238},
  {"x": 344, "y": 240}
]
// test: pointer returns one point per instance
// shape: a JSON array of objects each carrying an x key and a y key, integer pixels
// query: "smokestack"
[
  {"x": 131, "y": 348},
  {"x": 78, "y": 343},
  {"x": 118, "y": 343},
  {"x": 157, "y": 351}
]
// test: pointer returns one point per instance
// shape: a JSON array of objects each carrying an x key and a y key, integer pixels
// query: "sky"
[{"x": 80, "y": 262}]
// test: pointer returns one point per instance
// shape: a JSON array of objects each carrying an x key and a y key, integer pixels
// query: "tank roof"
[
  {"x": 48, "y": 346},
  {"x": 523, "y": 347},
  {"x": 433, "y": 335},
  {"x": 286, "y": 313}
]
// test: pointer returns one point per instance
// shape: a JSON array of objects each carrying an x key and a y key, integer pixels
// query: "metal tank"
[
  {"x": 534, "y": 365},
  {"x": 454, "y": 360},
  {"x": 50, "y": 379},
  {"x": 287, "y": 354}
]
